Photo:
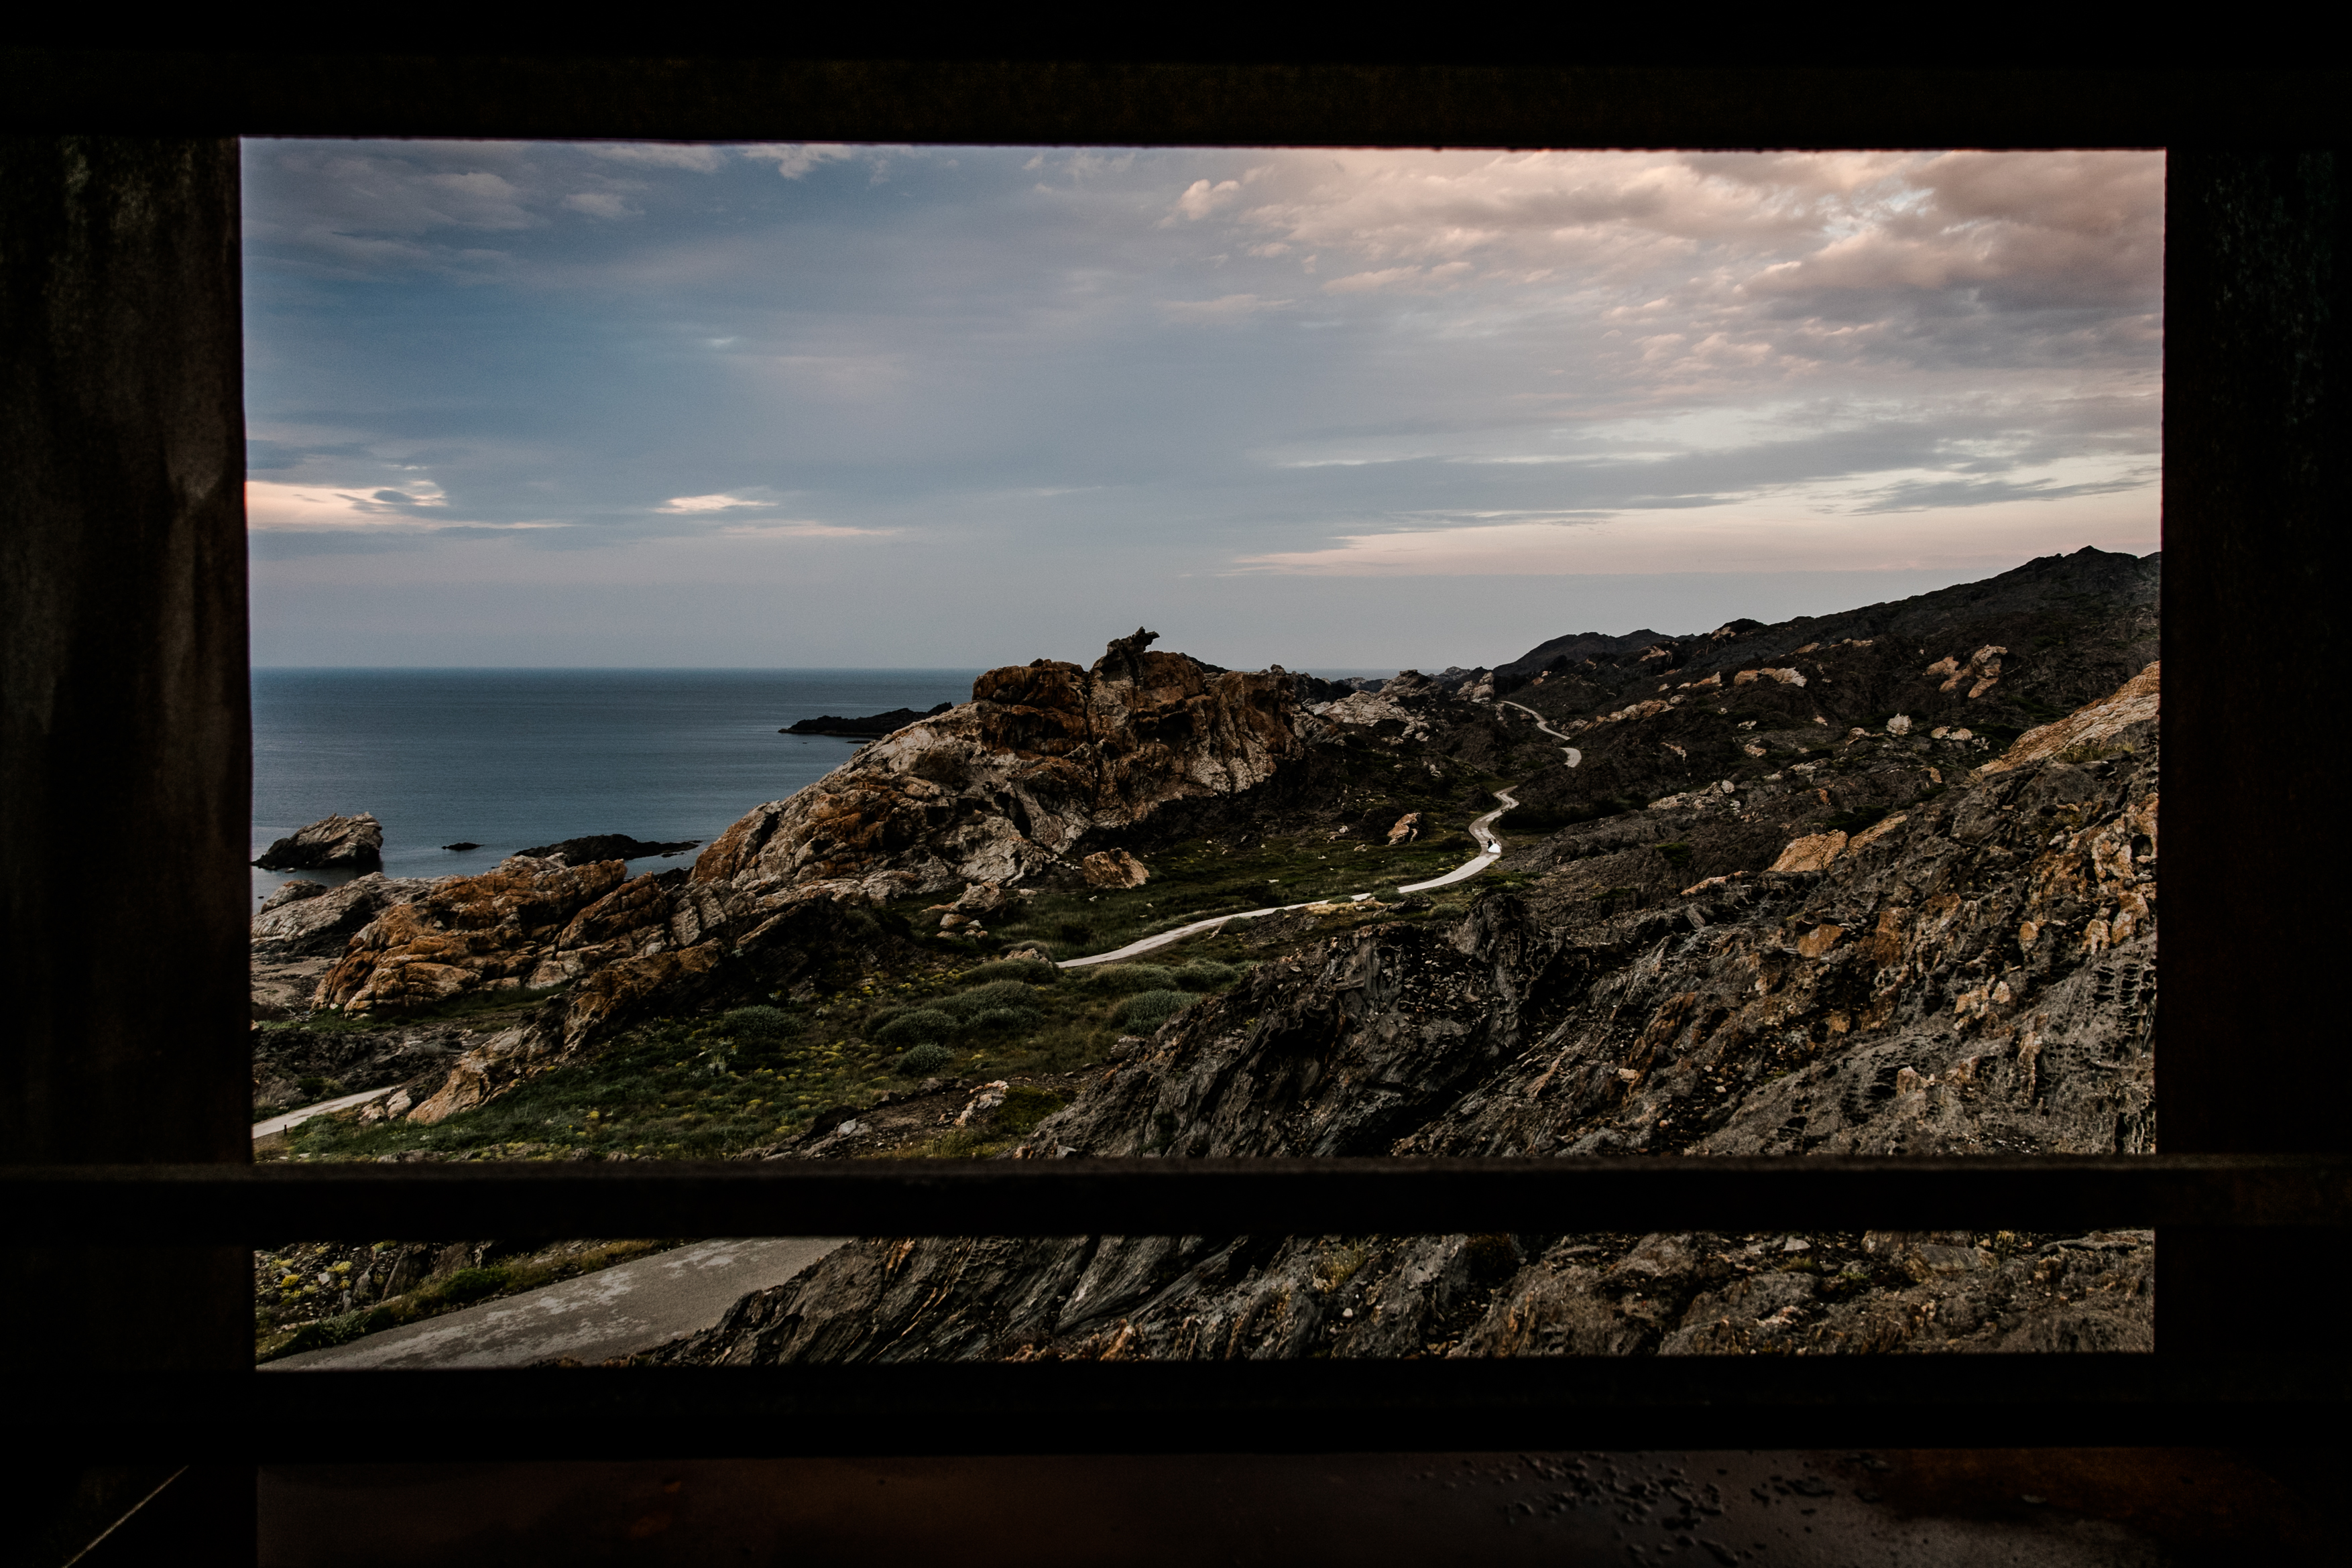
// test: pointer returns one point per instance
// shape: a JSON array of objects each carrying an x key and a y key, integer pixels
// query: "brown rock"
[
  {"x": 467, "y": 931},
  {"x": 2133, "y": 703},
  {"x": 1114, "y": 868},
  {"x": 1812, "y": 853},
  {"x": 322, "y": 922}
]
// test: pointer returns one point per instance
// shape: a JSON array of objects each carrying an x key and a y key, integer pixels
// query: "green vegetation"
[
  {"x": 924, "y": 1059},
  {"x": 1150, "y": 1010},
  {"x": 761, "y": 1023},
  {"x": 1677, "y": 855},
  {"x": 709, "y": 1087}
]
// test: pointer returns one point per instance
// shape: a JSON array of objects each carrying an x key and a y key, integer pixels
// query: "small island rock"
[{"x": 330, "y": 843}]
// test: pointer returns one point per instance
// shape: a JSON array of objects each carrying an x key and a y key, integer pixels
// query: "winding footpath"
[
  {"x": 1574, "y": 756},
  {"x": 1490, "y": 850}
]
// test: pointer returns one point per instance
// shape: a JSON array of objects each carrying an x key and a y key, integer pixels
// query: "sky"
[{"x": 651, "y": 404}]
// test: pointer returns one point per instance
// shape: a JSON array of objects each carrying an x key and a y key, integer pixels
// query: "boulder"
[
  {"x": 1114, "y": 868},
  {"x": 330, "y": 843}
]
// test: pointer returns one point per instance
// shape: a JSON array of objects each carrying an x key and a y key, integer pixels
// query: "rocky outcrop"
[
  {"x": 1045, "y": 765},
  {"x": 330, "y": 843},
  {"x": 1979, "y": 977},
  {"x": 2113, "y": 722},
  {"x": 531, "y": 923},
  {"x": 295, "y": 923}
]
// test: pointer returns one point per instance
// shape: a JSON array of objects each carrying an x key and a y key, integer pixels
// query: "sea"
[{"x": 513, "y": 758}]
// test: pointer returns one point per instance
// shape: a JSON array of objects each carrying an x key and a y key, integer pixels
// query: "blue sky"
[{"x": 578, "y": 404}]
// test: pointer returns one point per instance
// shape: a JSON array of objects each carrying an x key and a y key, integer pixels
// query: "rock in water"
[
  {"x": 330, "y": 843},
  {"x": 1010, "y": 786},
  {"x": 594, "y": 847},
  {"x": 872, "y": 728}
]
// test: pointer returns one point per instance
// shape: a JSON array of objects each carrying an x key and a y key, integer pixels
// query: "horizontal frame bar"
[
  {"x": 1299, "y": 102},
  {"x": 1252, "y": 1406},
  {"x": 264, "y": 1205}
]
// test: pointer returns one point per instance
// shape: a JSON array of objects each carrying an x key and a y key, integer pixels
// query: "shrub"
[
  {"x": 996, "y": 994},
  {"x": 881, "y": 1018},
  {"x": 761, "y": 1022},
  {"x": 1028, "y": 970},
  {"x": 1006, "y": 1019},
  {"x": 1149, "y": 1009},
  {"x": 1120, "y": 978},
  {"x": 1677, "y": 855},
  {"x": 923, "y": 1060},
  {"x": 1206, "y": 975},
  {"x": 917, "y": 1026}
]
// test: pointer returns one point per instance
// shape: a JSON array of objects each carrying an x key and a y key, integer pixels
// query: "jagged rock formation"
[
  {"x": 1045, "y": 765},
  {"x": 1974, "y": 973},
  {"x": 330, "y": 843},
  {"x": 295, "y": 924}
]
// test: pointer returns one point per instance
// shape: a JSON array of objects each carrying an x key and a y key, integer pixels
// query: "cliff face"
[
  {"x": 1970, "y": 970},
  {"x": 1046, "y": 763}
]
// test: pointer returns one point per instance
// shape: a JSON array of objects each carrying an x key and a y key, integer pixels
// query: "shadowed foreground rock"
[{"x": 1973, "y": 973}]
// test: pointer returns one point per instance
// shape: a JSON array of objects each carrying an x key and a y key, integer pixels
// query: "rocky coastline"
[{"x": 1881, "y": 882}]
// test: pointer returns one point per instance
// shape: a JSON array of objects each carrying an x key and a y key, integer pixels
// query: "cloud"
[
  {"x": 802, "y": 528},
  {"x": 1227, "y": 307},
  {"x": 274, "y": 507},
  {"x": 599, "y": 205},
  {"x": 794, "y": 159},
  {"x": 1130, "y": 365},
  {"x": 1200, "y": 198},
  {"x": 724, "y": 501},
  {"x": 659, "y": 155}
]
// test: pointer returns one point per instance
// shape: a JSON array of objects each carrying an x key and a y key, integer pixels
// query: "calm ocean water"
[{"x": 510, "y": 758}]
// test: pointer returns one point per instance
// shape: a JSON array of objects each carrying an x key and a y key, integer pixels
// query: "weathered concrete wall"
[
  {"x": 2258, "y": 486},
  {"x": 125, "y": 751}
]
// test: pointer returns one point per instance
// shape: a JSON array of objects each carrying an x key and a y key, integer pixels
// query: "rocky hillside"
[{"x": 1903, "y": 942}]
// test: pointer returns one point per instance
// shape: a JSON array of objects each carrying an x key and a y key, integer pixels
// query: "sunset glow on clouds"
[{"x": 989, "y": 374}]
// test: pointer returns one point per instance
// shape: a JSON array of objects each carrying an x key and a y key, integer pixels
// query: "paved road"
[
  {"x": 630, "y": 1306},
  {"x": 1574, "y": 756},
  {"x": 294, "y": 1118}
]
